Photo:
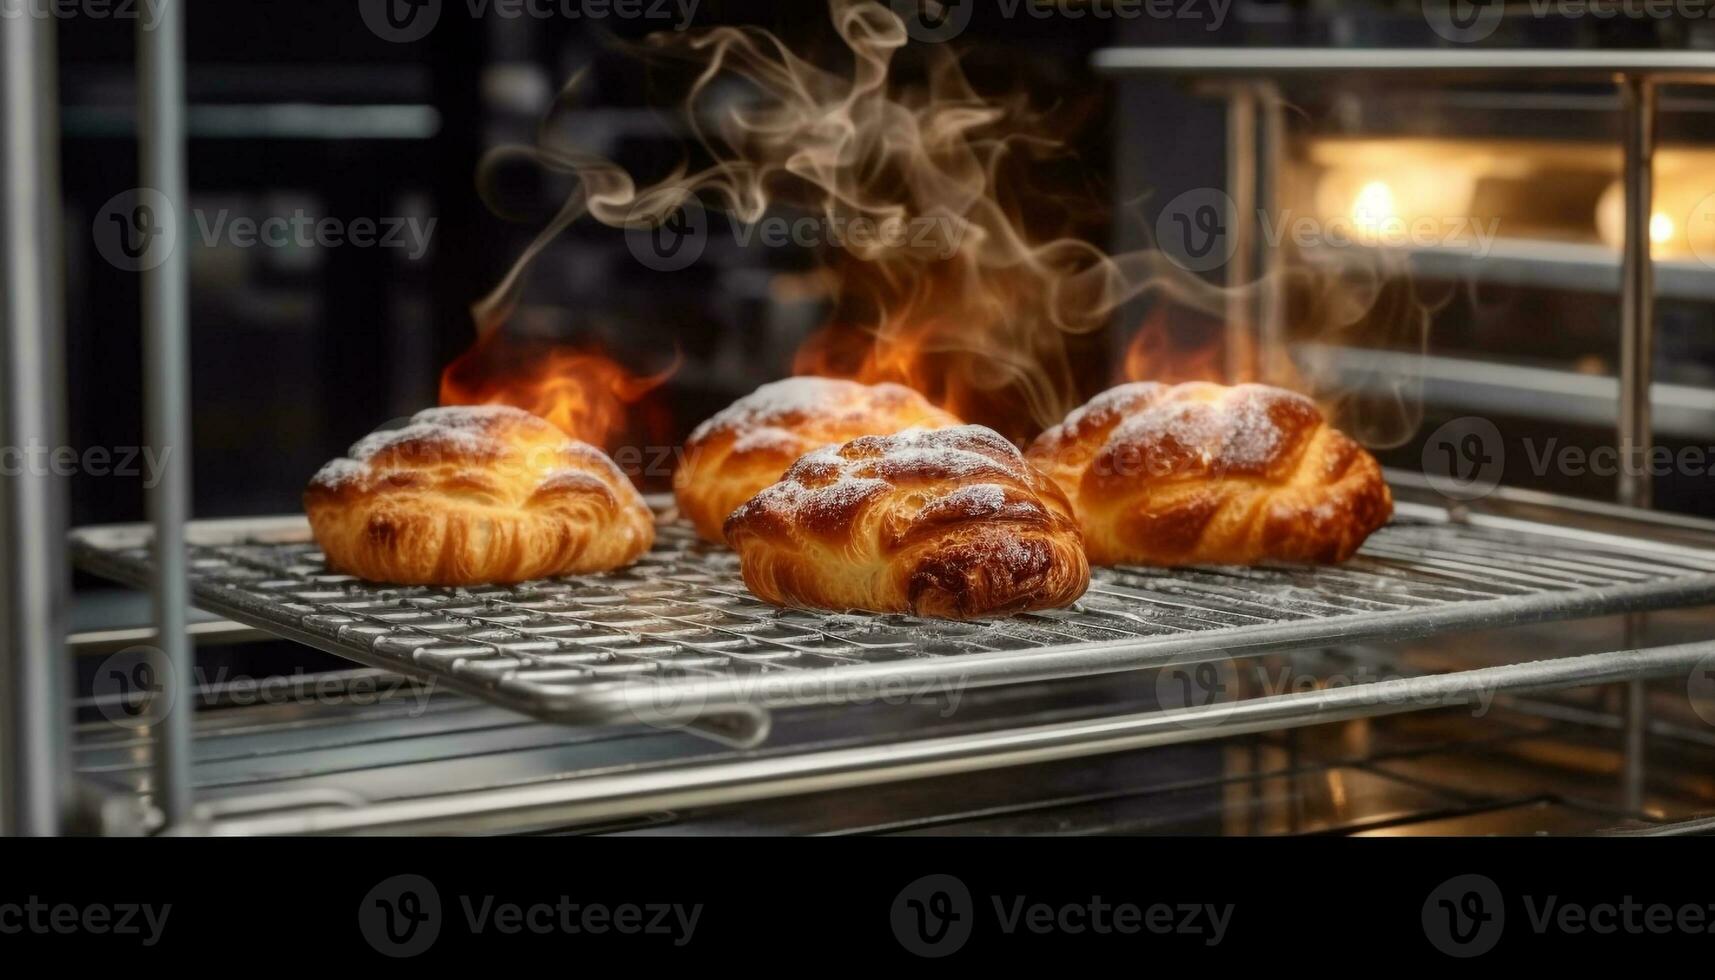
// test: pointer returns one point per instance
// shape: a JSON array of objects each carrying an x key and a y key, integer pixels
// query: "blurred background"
[
  {"x": 1500, "y": 303},
  {"x": 306, "y": 109}
]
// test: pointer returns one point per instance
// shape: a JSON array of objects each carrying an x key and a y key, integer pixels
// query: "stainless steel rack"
[
  {"x": 677, "y": 639},
  {"x": 677, "y": 631}
]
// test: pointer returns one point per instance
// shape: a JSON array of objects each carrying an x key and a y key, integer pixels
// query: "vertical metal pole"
[
  {"x": 1637, "y": 300},
  {"x": 1637, "y": 374},
  {"x": 1272, "y": 355},
  {"x": 35, "y": 705},
  {"x": 166, "y": 356},
  {"x": 1241, "y": 339}
]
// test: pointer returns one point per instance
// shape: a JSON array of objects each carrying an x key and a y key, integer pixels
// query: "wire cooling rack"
[{"x": 677, "y": 639}]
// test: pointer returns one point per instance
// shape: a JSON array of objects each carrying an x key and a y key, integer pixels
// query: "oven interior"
[{"x": 1533, "y": 661}]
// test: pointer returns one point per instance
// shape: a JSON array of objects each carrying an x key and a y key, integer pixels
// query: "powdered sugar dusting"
[
  {"x": 340, "y": 473},
  {"x": 983, "y": 497},
  {"x": 488, "y": 446},
  {"x": 780, "y": 401},
  {"x": 1238, "y": 430},
  {"x": 767, "y": 440},
  {"x": 776, "y": 411},
  {"x": 470, "y": 416},
  {"x": 428, "y": 436}
]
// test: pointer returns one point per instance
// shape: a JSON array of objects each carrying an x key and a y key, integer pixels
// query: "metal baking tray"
[{"x": 677, "y": 639}]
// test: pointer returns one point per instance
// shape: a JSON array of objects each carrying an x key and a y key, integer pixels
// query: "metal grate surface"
[{"x": 677, "y": 637}]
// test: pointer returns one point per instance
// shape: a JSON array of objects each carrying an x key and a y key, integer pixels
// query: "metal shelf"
[
  {"x": 1575, "y": 267},
  {"x": 1666, "y": 66},
  {"x": 677, "y": 639},
  {"x": 619, "y": 793}
]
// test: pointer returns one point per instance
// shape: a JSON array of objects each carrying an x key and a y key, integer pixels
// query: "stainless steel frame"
[
  {"x": 677, "y": 638},
  {"x": 34, "y": 705},
  {"x": 166, "y": 354},
  {"x": 1638, "y": 74},
  {"x": 35, "y": 699},
  {"x": 623, "y": 794}
]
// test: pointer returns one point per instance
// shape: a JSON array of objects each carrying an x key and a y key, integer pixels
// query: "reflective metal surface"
[
  {"x": 34, "y": 582},
  {"x": 677, "y": 637}
]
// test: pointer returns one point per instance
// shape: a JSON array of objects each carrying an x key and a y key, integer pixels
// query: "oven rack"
[{"x": 677, "y": 640}]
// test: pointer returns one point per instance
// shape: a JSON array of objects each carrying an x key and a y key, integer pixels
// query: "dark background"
[{"x": 297, "y": 352}]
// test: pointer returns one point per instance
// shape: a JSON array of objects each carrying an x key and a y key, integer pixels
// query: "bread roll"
[
  {"x": 1200, "y": 474},
  {"x": 746, "y": 447},
  {"x": 949, "y": 523},
  {"x": 475, "y": 495}
]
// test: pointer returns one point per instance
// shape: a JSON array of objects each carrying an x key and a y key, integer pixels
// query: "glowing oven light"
[
  {"x": 1661, "y": 228},
  {"x": 1374, "y": 209}
]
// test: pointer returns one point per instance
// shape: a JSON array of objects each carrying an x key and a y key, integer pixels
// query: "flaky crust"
[
  {"x": 949, "y": 523},
  {"x": 477, "y": 495},
  {"x": 747, "y": 446},
  {"x": 1204, "y": 474}
]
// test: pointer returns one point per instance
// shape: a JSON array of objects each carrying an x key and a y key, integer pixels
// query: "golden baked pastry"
[
  {"x": 747, "y": 446},
  {"x": 950, "y": 523},
  {"x": 475, "y": 495},
  {"x": 1201, "y": 474}
]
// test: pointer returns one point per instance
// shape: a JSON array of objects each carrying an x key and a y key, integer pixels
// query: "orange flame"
[
  {"x": 962, "y": 259},
  {"x": 582, "y": 390},
  {"x": 1176, "y": 351}
]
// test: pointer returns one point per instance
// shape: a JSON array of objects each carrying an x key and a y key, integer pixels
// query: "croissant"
[
  {"x": 948, "y": 523},
  {"x": 467, "y": 496},
  {"x": 746, "y": 447},
  {"x": 1203, "y": 474}
]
